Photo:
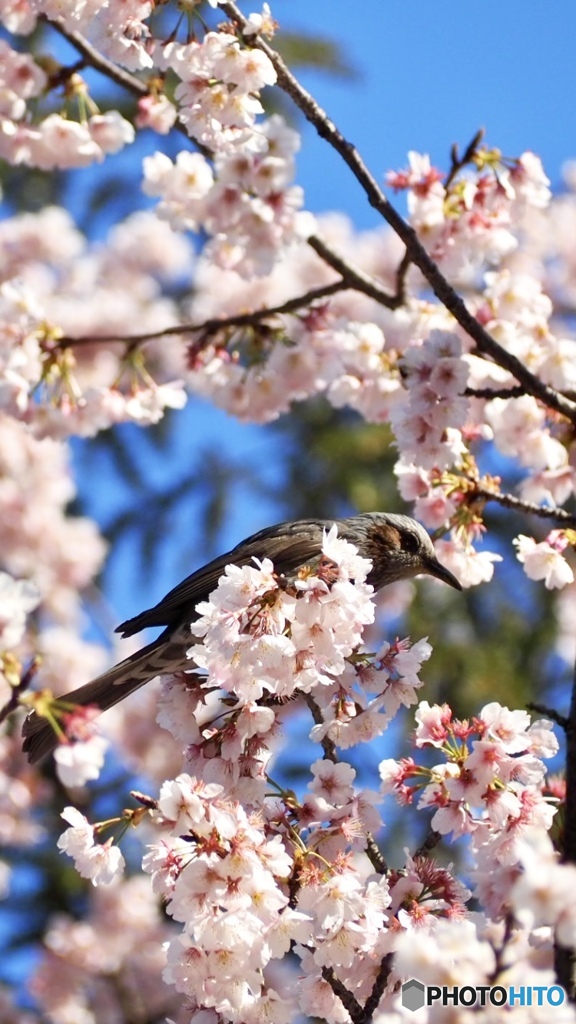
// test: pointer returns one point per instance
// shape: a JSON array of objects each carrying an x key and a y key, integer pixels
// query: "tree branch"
[
  {"x": 354, "y": 277},
  {"x": 92, "y": 58},
  {"x": 374, "y": 856},
  {"x": 212, "y": 326},
  {"x": 543, "y": 709},
  {"x": 414, "y": 248},
  {"x": 490, "y": 393},
  {"x": 431, "y": 839},
  {"x": 459, "y": 162},
  {"x": 401, "y": 273},
  {"x": 328, "y": 746},
  {"x": 543, "y": 511},
  {"x": 565, "y": 959},
  {"x": 501, "y": 949},
  {"x": 371, "y": 1004},
  {"x": 348, "y": 1000},
  {"x": 360, "y": 1014},
  {"x": 95, "y": 59}
]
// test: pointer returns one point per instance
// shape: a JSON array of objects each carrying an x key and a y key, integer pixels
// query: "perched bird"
[{"x": 397, "y": 546}]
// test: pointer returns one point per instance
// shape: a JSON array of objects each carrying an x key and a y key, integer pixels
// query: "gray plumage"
[{"x": 398, "y": 547}]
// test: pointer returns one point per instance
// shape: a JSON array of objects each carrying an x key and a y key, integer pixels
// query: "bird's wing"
[{"x": 288, "y": 545}]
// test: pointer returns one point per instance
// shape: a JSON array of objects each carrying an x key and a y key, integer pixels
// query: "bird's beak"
[{"x": 435, "y": 568}]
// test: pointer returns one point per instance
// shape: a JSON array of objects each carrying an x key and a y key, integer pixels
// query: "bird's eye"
[{"x": 410, "y": 543}]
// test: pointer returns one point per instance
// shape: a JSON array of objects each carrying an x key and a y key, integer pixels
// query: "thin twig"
[
  {"x": 489, "y": 393},
  {"x": 328, "y": 746},
  {"x": 501, "y": 949},
  {"x": 353, "y": 276},
  {"x": 401, "y": 273},
  {"x": 96, "y": 60},
  {"x": 551, "y": 713},
  {"x": 415, "y": 250},
  {"x": 529, "y": 507},
  {"x": 21, "y": 687},
  {"x": 214, "y": 325},
  {"x": 459, "y": 162}
]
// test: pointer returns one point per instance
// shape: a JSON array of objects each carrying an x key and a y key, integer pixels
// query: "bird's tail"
[{"x": 162, "y": 656}]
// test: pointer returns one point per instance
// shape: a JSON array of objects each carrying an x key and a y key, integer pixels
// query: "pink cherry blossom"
[
  {"x": 102, "y": 864},
  {"x": 542, "y": 561}
]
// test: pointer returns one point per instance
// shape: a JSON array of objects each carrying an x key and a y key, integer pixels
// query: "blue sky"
[{"x": 432, "y": 73}]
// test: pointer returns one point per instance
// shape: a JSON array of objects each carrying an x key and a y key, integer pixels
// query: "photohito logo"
[{"x": 415, "y": 995}]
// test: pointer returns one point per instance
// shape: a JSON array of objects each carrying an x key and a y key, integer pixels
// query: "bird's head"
[{"x": 399, "y": 548}]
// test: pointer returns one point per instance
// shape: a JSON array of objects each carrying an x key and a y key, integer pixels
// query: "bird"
[{"x": 398, "y": 547}]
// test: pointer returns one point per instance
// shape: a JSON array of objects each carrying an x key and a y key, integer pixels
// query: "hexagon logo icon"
[{"x": 413, "y": 994}]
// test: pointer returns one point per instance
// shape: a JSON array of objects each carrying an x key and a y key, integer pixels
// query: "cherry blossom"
[
  {"x": 542, "y": 894},
  {"x": 17, "y": 598},
  {"x": 102, "y": 864},
  {"x": 219, "y": 82},
  {"x": 77, "y": 763},
  {"x": 544, "y": 560},
  {"x": 254, "y": 875}
]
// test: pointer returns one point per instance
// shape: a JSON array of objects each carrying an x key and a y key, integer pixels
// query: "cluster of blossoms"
[
  {"x": 17, "y": 598},
  {"x": 245, "y": 202},
  {"x": 471, "y": 220},
  {"x": 388, "y": 364},
  {"x": 250, "y": 874},
  {"x": 265, "y": 642},
  {"x": 118, "y": 31},
  {"x": 245, "y": 889},
  {"x": 222, "y": 878},
  {"x": 99, "y": 862},
  {"x": 261, "y": 638},
  {"x": 489, "y": 786},
  {"x": 544, "y": 560},
  {"x": 249, "y": 871},
  {"x": 464, "y": 956},
  {"x": 227, "y": 852},
  {"x": 248, "y": 885},
  {"x": 55, "y": 140},
  {"x": 408, "y": 367},
  {"x": 93, "y": 968},
  {"x": 48, "y": 559},
  {"x": 52, "y": 284},
  {"x": 427, "y": 425},
  {"x": 217, "y": 95},
  {"x": 38, "y": 542},
  {"x": 219, "y": 85}
]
